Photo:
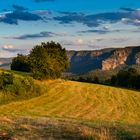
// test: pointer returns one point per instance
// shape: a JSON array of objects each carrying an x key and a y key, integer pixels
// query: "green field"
[{"x": 77, "y": 108}]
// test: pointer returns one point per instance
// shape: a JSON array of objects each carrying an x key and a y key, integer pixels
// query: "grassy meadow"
[{"x": 72, "y": 110}]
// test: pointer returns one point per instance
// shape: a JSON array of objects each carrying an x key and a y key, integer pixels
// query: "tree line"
[{"x": 127, "y": 78}]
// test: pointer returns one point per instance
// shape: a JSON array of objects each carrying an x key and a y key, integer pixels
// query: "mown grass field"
[
  {"x": 80, "y": 101},
  {"x": 91, "y": 107}
]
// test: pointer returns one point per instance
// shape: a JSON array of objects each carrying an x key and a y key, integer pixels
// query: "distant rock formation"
[
  {"x": 106, "y": 59},
  {"x": 5, "y": 63},
  {"x": 117, "y": 58}
]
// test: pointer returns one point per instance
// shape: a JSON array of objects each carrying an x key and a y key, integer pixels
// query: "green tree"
[
  {"x": 96, "y": 80},
  {"x": 48, "y": 60},
  {"x": 20, "y": 63},
  {"x": 129, "y": 78},
  {"x": 113, "y": 80}
]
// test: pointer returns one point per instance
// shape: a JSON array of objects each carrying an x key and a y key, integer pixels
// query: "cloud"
[
  {"x": 8, "y": 51},
  {"x": 20, "y": 13},
  {"x": 43, "y": 13},
  {"x": 37, "y": 35},
  {"x": 69, "y": 17},
  {"x": 121, "y": 39},
  {"x": 82, "y": 44},
  {"x": 99, "y": 31},
  {"x": 135, "y": 22},
  {"x": 127, "y": 9},
  {"x": 77, "y": 42},
  {"x": 80, "y": 41},
  {"x": 95, "y": 20},
  {"x": 96, "y": 43},
  {"x": 10, "y": 48},
  {"x": 105, "y": 30},
  {"x": 20, "y": 8},
  {"x": 15, "y": 16}
]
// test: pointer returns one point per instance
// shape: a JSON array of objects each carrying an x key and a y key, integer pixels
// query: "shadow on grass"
[{"x": 61, "y": 129}]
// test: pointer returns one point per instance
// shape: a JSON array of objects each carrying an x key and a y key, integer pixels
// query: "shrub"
[
  {"x": 21, "y": 63},
  {"x": 6, "y": 79},
  {"x": 17, "y": 85}
]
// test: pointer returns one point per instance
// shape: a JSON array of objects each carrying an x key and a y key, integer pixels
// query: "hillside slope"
[{"x": 80, "y": 101}]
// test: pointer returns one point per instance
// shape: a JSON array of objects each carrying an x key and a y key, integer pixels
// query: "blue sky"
[{"x": 76, "y": 24}]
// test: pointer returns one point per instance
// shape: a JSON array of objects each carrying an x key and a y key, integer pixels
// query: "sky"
[{"x": 75, "y": 24}]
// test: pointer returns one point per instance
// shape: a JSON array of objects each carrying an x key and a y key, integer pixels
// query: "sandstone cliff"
[
  {"x": 117, "y": 58},
  {"x": 106, "y": 59}
]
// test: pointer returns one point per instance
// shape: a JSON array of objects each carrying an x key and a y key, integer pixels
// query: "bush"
[
  {"x": 17, "y": 85},
  {"x": 21, "y": 63},
  {"x": 5, "y": 80}
]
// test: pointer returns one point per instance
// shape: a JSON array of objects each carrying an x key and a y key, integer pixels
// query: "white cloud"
[
  {"x": 8, "y": 47},
  {"x": 80, "y": 41},
  {"x": 10, "y": 51}
]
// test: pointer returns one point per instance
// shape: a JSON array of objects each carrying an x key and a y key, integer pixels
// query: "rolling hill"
[
  {"x": 80, "y": 101},
  {"x": 73, "y": 110}
]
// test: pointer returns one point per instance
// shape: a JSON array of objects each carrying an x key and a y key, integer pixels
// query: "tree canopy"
[{"x": 45, "y": 61}]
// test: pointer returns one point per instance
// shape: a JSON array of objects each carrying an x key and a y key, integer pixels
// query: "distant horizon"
[{"x": 76, "y": 25}]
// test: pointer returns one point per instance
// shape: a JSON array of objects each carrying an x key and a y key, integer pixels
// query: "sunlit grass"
[{"x": 80, "y": 101}]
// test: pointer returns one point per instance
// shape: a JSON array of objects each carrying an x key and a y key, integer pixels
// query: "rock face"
[
  {"x": 119, "y": 57},
  {"x": 106, "y": 59},
  {"x": 84, "y": 61}
]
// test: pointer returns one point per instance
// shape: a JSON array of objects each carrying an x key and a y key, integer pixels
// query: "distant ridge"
[
  {"x": 105, "y": 59},
  {"x": 5, "y": 63}
]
